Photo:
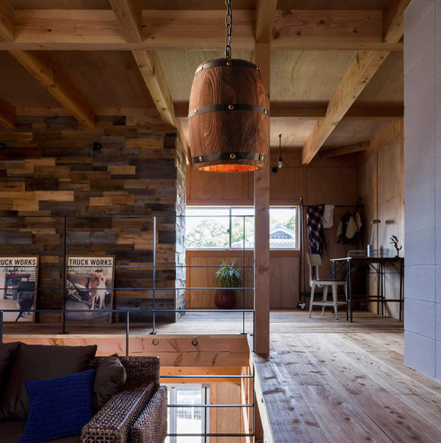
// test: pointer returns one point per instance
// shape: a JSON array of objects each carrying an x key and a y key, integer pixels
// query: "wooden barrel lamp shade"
[{"x": 228, "y": 117}]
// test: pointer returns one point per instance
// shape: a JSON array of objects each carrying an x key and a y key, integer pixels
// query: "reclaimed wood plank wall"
[{"x": 48, "y": 167}]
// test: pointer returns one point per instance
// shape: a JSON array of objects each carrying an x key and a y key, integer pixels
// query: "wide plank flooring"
[
  {"x": 348, "y": 384},
  {"x": 206, "y": 323}
]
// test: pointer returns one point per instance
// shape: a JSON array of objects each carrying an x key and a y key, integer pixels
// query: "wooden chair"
[{"x": 314, "y": 263}]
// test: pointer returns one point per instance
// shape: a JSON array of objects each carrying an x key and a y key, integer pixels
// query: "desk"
[{"x": 378, "y": 264}]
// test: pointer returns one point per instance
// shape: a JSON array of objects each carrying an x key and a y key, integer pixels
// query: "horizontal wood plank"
[
  {"x": 203, "y": 30},
  {"x": 305, "y": 112}
]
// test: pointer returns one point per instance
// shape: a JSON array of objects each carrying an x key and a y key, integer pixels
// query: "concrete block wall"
[{"x": 422, "y": 184}]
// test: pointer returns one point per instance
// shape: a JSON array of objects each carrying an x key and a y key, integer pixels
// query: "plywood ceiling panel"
[
  {"x": 387, "y": 85},
  {"x": 294, "y": 132},
  {"x": 349, "y": 132},
  {"x": 19, "y": 88},
  {"x": 179, "y": 68},
  {"x": 108, "y": 79},
  {"x": 307, "y": 76}
]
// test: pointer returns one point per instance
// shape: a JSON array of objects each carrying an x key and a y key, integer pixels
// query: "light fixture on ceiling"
[
  {"x": 279, "y": 161},
  {"x": 228, "y": 115}
]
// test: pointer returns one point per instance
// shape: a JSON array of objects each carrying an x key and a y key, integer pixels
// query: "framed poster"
[
  {"x": 18, "y": 288},
  {"x": 89, "y": 288}
]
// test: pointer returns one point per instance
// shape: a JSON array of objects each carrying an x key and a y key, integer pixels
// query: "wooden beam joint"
[
  {"x": 52, "y": 77},
  {"x": 7, "y": 114}
]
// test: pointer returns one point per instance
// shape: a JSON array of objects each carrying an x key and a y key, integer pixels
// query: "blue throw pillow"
[{"x": 59, "y": 407}]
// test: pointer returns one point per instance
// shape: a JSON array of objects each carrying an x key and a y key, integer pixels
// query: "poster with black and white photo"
[
  {"x": 89, "y": 288},
  {"x": 18, "y": 289}
]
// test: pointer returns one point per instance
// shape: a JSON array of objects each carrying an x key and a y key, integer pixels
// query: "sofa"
[{"x": 137, "y": 413}]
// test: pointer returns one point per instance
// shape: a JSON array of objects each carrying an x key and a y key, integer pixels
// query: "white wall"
[{"x": 422, "y": 181}]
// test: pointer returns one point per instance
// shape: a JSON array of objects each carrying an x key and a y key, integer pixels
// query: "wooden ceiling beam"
[
  {"x": 344, "y": 150},
  {"x": 151, "y": 70},
  {"x": 265, "y": 10},
  {"x": 6, "y": 21},
  {"x": 305, "y": 112},
  {"x": 201, "y": 30},
  {"x": 129, "y": 15},
  {"x": 393, "y": 20},
  {"x": 7, "y": 114},
  {"x": 361, "y": 70},
  {"x": 53, "y": 78}
]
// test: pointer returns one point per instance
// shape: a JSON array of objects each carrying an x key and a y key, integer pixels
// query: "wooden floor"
[
  {"x": 325, "y": 380},
  {"x": 282, "y": 321},
  {"x": 328, "y": 381}
]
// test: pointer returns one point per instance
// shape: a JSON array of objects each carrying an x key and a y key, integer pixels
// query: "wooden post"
[{"x": 261, "y": 238}]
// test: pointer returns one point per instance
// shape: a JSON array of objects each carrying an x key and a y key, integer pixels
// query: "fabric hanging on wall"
[
  {"x": 348, "y": 228},
  {"x": 314, "y": 226},
  {"x": 328, "y": 217},
  {"x": 352, "y": 228}
]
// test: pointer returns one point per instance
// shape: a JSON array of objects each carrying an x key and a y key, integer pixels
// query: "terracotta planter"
[{"x": 225, "y": 299}]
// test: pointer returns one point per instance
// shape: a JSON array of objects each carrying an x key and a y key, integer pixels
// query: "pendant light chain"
[{"x": 229, "y": 25}]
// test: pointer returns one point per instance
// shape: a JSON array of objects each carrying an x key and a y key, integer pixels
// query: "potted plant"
[{"x": 227, "y": 276}]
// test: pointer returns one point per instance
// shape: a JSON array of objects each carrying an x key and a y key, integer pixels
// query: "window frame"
[
  {"x": 173, "y": 412},
  {"x": 230, "y": 216}
]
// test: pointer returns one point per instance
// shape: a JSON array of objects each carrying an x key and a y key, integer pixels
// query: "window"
[
  {"x": 231, "y": 227},
  {"x": 188, "y": 420}
]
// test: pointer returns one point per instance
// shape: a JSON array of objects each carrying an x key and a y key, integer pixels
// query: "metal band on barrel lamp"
[
  {"x": 226, "y": 62},
  {"x": 229, "y": 156},
  {"x": 231, "y": 107}
]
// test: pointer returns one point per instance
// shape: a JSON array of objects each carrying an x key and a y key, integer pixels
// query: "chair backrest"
[{"x": 314, "y": 263}]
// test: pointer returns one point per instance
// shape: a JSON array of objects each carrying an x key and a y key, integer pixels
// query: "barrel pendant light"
[{"x": 228, "y": 115}]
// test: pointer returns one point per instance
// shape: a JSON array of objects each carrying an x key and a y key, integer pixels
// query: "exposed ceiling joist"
[
  {"x": 52, "y": 77},
  {"x": 129, "y": 15},
  {"x": 305, "y": 112},
  {"x": 361, "y": 70},
  {"x": 344, "y": 150},
  {"x": 7, "y": 114},
  {"x": 6, "y": 21},
  {"x": 155, "y": 80},
  {"x": 202, "y": 30},
  {"x": 153, "y": 75},
  {"x": 393, "y": 20},
  {"x": 265, "y": 10}
]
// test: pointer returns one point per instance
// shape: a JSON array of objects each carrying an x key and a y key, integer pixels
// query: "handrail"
[{"x": 60, "y": 223}]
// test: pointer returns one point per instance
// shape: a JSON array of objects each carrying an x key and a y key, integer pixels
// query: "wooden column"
[{"x": 261, "y": 246}]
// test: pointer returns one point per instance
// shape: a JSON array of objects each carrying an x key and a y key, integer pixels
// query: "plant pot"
[{"x": 225, "y": 299}]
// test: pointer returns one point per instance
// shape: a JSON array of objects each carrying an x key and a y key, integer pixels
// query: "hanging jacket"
[{"x": 347, "y": 228}]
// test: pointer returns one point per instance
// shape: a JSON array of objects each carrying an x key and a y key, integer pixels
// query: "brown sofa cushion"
[
  {"x": 38, "y": 362},
  {"x": 11, "y": 431},
  {"x": 110, "y": 377},
  {"x": 7, "y": 350}
]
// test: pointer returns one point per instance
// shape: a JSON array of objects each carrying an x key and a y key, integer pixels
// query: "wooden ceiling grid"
[{"x": 335, "y": 66}]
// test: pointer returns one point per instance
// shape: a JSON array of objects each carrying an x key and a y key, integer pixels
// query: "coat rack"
[{"x": 359, "y": 206}]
